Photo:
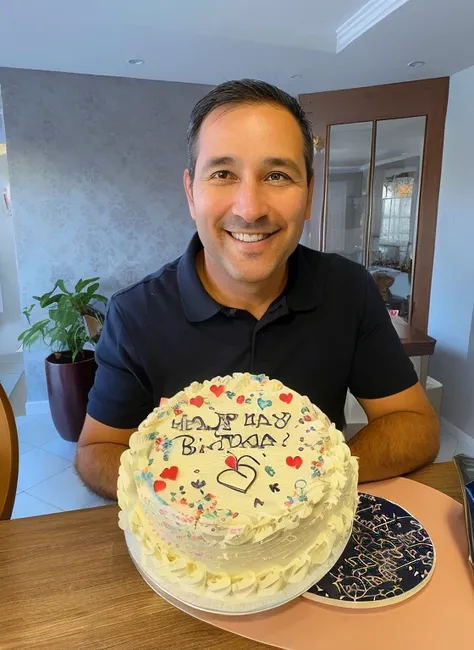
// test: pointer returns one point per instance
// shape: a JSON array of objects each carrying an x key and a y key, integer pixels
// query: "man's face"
[{"x": 250, "y": 195}]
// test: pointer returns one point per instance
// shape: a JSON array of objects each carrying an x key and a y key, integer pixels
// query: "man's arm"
[
  {"x": 98, "y": 456},
  {"x": 402, "y": 435}
]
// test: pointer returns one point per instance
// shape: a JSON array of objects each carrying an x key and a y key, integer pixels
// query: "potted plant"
[{"x": 73, "y": 323}]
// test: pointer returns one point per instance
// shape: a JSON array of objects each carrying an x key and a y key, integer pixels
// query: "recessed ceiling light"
[
  {"x": 416, "y": 64},
  {"x": 136, "y": 61},
  {"x": 296, "y": 76}
]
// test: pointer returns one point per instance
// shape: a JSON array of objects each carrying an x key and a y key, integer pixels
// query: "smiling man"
[{"x": 247, "y": 297}]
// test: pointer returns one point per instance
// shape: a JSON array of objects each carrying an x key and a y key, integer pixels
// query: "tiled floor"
[{"x": 48, "y": 481}]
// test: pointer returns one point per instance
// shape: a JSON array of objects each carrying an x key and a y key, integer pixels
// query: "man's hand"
[
  {"x": 98, "y": 456},
  {"x": 402, "y": 435}
]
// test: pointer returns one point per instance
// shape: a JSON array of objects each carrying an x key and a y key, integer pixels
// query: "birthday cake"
[{"x": 237, "y": 490}]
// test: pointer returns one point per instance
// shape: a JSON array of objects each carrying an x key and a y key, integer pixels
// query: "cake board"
[
  {"x": 436, "y": 616},
  {"x": 390, "y": 557},
  {"x": 246, "y": 607}
]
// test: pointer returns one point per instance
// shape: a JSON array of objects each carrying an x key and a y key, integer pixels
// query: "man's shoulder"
[
  {"x": 152, "y": 286},
  {"x": 334, "y": 267}
]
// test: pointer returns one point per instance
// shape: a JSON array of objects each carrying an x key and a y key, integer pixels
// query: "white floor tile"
[
  {"x": 37, "y": 465},
  {"x": 36, "y": 430},
  {"x": 464, "y": 448},
  {"x": 61, "y": 448},
  {"x": 448, "y": 445},
  {"x": 66, "y": 491},
  {"x": 29, "y": 506},
  {"x": 24, "y": 447}
]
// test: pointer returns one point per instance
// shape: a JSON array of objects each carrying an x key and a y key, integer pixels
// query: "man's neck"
[{"x": 252, "y": 297}]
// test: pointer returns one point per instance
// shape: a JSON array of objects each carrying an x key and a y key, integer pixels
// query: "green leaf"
[
  {"x": 99, "y": 298},
  {"x": 60, "y": 284},
  {"x": 92, "y": 289},
  {"x": 64, "y": 329},
  {"x": 89, "y": 281},
  {"x": 79, "y": 285},
  {"x": 49, "y": 301}
]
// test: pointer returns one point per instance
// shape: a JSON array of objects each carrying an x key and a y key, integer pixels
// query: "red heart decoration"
[
  {"x": 197, "y": 401},
  {"x": 231, "y": 461},
  {"x": 295, "y": 462},
  {"x": 240, "y": 399},
  {"x": 308, "y": 418},
  {"x": 217, "y": 390},
  {"x": 158, "y": 486},
  {"x": 286, "y": 397},
  {"x": 170, "y": 472}
]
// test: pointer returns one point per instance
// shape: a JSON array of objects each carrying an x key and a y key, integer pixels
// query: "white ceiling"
[{"x": 337, "y": 44}]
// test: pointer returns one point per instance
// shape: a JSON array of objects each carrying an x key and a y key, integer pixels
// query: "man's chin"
[{"x": 249, "y": 275}]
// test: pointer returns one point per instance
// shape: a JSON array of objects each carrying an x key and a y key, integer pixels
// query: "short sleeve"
[
  {"x": 380, "y": 366},
  {"x": 122, "y": 396}
]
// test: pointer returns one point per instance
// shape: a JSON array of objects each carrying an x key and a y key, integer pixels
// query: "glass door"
[
  {"x": 370, "y": 210},
  {"x": 377, "y": 169}
]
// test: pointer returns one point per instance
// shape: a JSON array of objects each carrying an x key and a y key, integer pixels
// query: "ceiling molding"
[{"x": 370, "y": 14}]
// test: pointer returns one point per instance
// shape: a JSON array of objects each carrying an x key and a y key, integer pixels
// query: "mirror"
[
  {"x": 346, "y": 211},
  {"x": 394, "y": 214}
]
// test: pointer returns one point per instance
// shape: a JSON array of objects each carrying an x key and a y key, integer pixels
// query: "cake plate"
[
  {"x": 389, "y": 558},
  {"x": 205, "y": 604}
]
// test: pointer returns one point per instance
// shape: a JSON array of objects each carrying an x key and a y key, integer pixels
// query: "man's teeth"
[{"x": 243, "y": 236}]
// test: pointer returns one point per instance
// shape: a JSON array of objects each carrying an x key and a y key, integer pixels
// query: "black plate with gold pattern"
[{"x": 389, "y": 557}]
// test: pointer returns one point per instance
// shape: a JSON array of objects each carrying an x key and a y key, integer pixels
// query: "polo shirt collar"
[{"x": 303, "y": 291}]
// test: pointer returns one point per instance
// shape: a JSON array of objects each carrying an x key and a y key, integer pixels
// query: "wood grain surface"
[{"x": 66, "y": 582}]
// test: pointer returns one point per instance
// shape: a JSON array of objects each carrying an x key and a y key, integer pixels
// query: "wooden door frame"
[{"x": 393, "y": 101}]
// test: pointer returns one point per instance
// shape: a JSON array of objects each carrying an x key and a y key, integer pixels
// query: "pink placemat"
[{"x": 434, "y": 619}]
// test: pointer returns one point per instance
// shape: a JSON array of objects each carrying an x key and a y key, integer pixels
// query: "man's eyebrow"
[
  {"x": 283, "y": 162},
  {"x": 218, "y": 161}
]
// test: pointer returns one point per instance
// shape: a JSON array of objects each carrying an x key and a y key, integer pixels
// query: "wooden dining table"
[{"x": 67, "y": 582}]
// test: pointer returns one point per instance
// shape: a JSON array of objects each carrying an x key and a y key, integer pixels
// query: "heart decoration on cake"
[
  {"x": 159, "y": 486},
  {"x": 286, "y": 397},
  {"x": 239, "y": 478},
  {"x": 295, "y": 462},
  {"x": 217, "y": 390},
  {"x": 170, "y": 472},
  {"x": 197, "y": 401},
  {"x": 231, "y": 461},
  {"x": 240, "y": 399},
  {"x": 263, "y": 403}
]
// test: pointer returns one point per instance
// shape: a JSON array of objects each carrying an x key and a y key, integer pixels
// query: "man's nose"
[{"x": 250, "y": 203}]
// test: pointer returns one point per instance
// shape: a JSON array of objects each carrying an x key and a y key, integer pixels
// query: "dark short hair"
[{"x": 247, "y": 91}]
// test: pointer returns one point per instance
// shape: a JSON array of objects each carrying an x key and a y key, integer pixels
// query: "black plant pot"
[{"x": 68, "y": 389}]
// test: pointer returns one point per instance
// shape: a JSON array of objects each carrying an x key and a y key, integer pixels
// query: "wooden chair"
[{"x": 8, "y": 456}]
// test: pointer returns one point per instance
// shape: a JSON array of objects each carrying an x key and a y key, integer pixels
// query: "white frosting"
[{"x": 197, "y": 488}]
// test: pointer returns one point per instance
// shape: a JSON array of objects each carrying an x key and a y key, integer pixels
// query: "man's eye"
[
  {"x": 277, "y": 177},
  {"x": 221, "y": 175}
]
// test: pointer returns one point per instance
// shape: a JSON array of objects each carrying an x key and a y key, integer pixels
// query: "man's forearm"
[
  {"x": 98, "y": 465},
  {"x": 395, "y": 444}
]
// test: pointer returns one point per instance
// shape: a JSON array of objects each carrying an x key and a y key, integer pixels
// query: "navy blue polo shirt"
[{"x": 328, "y": 331}]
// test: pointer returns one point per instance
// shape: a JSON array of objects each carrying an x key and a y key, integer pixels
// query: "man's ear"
[
  {"x": 309, "y": 204},
  {"x": 188, "y": 189}
]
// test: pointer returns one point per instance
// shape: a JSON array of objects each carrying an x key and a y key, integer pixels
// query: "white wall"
[
  {"x": 10, "y": 317},
  {"x": 452, "y": 299}
]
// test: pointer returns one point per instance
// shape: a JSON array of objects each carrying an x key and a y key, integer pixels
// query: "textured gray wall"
[{"x": 96, "y": 168}]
